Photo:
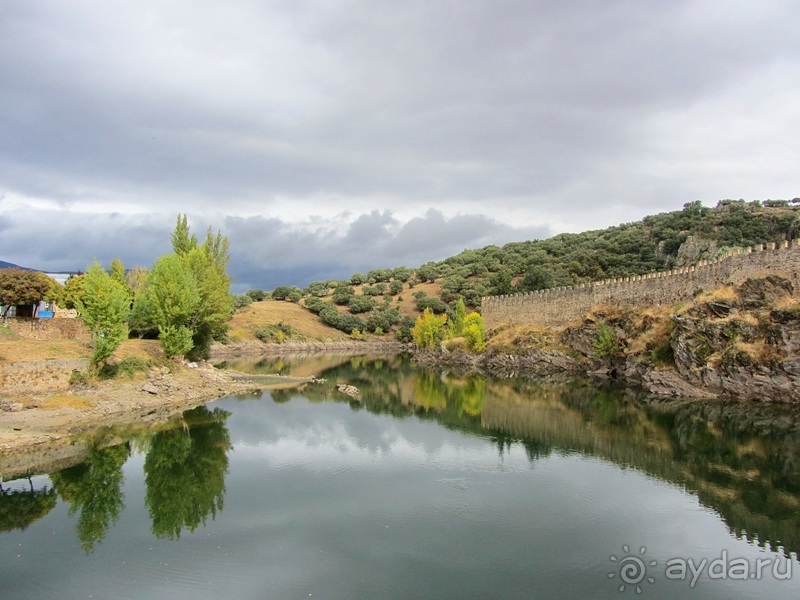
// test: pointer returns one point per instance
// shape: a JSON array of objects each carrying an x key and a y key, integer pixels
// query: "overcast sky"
[{"x": 329, "y": 137}]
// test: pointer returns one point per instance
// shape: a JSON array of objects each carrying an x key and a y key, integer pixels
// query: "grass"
[
  {"x": 722, "y": 293},
  {"x": 57, "y": 401},
  {"x": 258, "y": 315}
]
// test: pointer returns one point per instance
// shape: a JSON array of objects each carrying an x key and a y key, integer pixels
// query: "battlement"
[{"x": 556, "y": 306}]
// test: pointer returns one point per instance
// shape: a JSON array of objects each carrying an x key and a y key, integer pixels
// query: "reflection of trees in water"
[
  {"x": 20, "y": 508},
  {"x": 95, "y": 489},
  {"x": 185, "y": 472},
  {"x": 741, "y": 460}
]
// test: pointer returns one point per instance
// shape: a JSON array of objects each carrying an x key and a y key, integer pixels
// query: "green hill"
[{"x": 657, "y": 242}]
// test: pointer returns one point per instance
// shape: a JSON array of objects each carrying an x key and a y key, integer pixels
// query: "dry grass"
[
  {"x": 144, "y": 349},
  {"x": 520, "y": 337},
  {"x": 656, "y": 327},
  {"x": 786, "y": 303},
  {"x": 57, "y": 401},
  {"x": 725, "y": 292},
  {"x": 259, "y": 314},
  {"x": 24, "y": 349},
  {"x": 759, "y": 351}
]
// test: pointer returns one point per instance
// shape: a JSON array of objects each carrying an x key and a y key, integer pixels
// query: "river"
[{"x": 427, "y": 485}]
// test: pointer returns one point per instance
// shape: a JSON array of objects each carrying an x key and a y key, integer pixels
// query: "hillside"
[{"x": 657, "y": 242}]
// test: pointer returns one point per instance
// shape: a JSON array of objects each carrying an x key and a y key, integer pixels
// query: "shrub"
[
  {"x": 256, "y": 295},
  {"x": 242, "y": 301},
  {"x": 428, "y": 330},
  {"x": 474, "y": 333},
  {"x": 605, "y": 343},
  {"x": 275, "y": 332},
  {"x": 360, "y": 304}
]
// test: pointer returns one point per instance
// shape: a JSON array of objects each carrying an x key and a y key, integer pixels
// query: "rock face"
[
  {"x": 744, "y": 348},
  {"x": 695, "y": 249},
  {"x": 741, "y": 342}
]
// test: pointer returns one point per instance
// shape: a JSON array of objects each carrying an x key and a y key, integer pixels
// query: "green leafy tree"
[
  {"x": 361, "y": 304},
  {"x": 428, "y": 330},
  {"x": 256, "y": 295},
  {"x": 459, "y": 314},
  {"x": 281, "y": 292},
  {"x": 171, "y": 301},
  {"x": 104, "y": 308},
  {"x": 20, "y": 287},
  {"x": 182, "y": 241},
  {"x": 73, "y": 291}
]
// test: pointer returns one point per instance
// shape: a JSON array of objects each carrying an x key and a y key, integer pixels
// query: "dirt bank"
[{"x": 45, "y": 422}]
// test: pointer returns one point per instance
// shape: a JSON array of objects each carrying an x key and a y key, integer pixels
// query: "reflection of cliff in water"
[{"x": 742, "y": 460}]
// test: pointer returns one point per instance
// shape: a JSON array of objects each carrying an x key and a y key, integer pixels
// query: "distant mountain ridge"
[{"x": 8, "y": 265}]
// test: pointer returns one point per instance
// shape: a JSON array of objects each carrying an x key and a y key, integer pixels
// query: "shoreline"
[{"x": 37, "y": 434}]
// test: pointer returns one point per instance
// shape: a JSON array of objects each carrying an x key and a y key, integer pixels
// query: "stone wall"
[
  {"x": 557, "y": 306},
  {"x": 48, "y": 329}
]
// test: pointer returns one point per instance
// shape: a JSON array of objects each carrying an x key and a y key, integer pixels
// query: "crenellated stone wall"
[{"x": 557, "y": 306}]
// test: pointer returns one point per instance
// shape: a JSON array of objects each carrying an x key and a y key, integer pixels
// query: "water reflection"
[
  {"x": 742, "y": 460},
  {"x": 94, "y": 489},
  {"x": 185, "y": 472},
  {"x": 20, "y": 508}
]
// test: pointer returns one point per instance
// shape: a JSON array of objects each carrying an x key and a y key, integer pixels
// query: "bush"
[
  {"x": 294, "y": 296},
  {"x": 175, "y": 340},
  {"x": 242, "y": 301},
  {"x": 275, "y": 332},
  {"x": 428, "y": 330},
  {"x": 281, "y": 292},
  {"x": 605, "y": 343},
  {"x": 360, "y": 304},
  {"x": 474, "y": 333},
  {"x": 257, "y": 295},
  {"x": 435, "y": 305},
  {"x": 78, "y": 377},
  {"x": 343, "y": 294}
]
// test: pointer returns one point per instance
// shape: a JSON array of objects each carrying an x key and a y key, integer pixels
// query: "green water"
[{"x": 426, "y": 486}]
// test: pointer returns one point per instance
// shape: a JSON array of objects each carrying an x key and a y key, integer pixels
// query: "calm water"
[{"x": 429, "y": 486}]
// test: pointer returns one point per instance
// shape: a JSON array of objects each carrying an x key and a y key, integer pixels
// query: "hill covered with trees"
[{"x": 378, "y": 299}]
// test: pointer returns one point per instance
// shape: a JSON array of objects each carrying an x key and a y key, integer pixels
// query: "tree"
[
  {"x": 460, "y": 313},
  {"x": 19, "y": 287},
  {"x": 171, "y": 300},
  {"x": 73, "y": 291},
  {"x": 104, "y": 308},
  {"x": 361, "y": 304},
  {"x": 474, "y": 333},
  {"x": 182, "y": 242},
  {"x": 187, "y": 295},
  {"x": 256, "y": 295},
  {"x": 428, "y": 330},
  {"x": 281, "y": 292}
]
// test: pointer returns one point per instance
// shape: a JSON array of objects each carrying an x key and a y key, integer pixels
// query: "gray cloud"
[
  {"x": 543, "y": 115},
  {"x": 265, "y": 252}
]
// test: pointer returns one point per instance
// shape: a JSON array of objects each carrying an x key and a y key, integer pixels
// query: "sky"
[{"x": 330, "y": 137}]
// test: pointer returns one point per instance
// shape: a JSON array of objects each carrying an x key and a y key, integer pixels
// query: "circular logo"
[{"x": 631, "y": 569}]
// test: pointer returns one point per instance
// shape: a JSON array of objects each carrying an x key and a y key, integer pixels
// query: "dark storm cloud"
[
  {"x": 268, "y": 252},
  {"x": 264, "y": 252},
  {"x": 538, "y": 114}
]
